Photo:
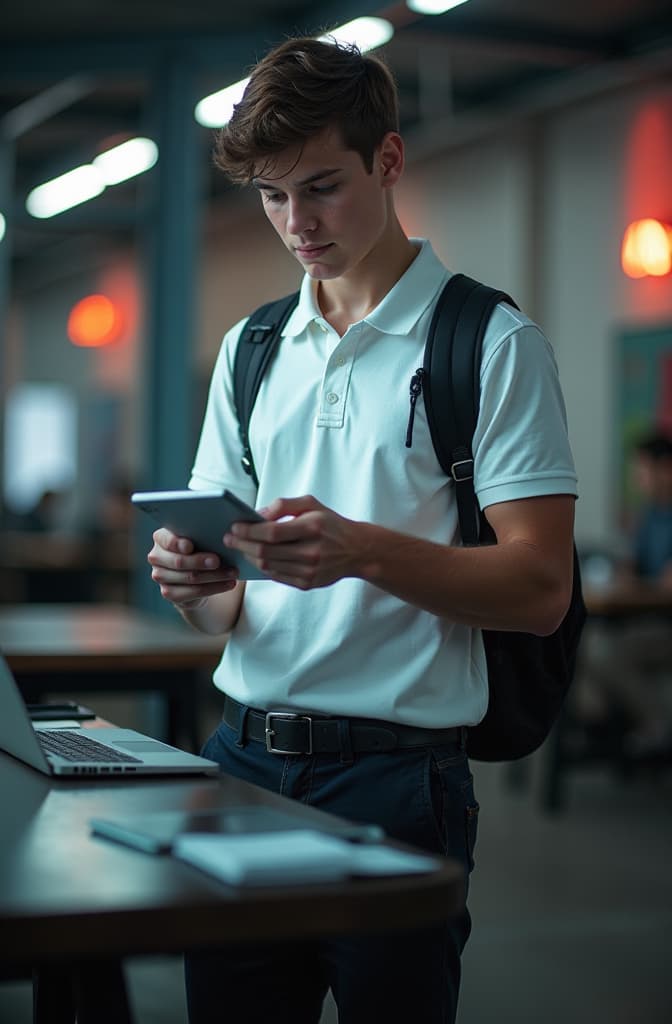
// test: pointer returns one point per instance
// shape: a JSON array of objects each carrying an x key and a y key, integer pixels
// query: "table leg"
[
  {"x": 53, "y": 996},
  {"x": 183, "y": 702},
  {"x": 100, "y": 993},
  {"x": 556, "y": 763},
  {"x": 92, "y": 992}
]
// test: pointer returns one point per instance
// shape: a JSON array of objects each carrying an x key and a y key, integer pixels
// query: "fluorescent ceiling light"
[
  {"x": 433, "y": 6},
  {"x": 125, "y": 161},
  {"x": 88, "y": 181},
  {"x": 66, "y": 191},
  {"x": 366, "y": 33},
  {"x": 3, "y": 225},
  {"x": 215, "y": 110}
]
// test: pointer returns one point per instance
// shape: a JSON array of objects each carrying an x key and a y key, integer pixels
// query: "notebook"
[
  {"x": 80, "y": 753},
  {"x": 301, "y": 857},
  {"x": 158, "y": 831}
]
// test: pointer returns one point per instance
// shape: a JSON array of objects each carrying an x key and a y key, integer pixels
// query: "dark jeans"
[{"x": 422, "y": 796}]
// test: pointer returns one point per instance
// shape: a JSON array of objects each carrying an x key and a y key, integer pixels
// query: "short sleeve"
[
  {"x": 521, "y": 447},
  {"x": 217, "y": 463}
]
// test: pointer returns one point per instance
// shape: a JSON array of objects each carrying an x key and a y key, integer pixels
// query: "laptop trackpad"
[{"x": 144, "y": 746}]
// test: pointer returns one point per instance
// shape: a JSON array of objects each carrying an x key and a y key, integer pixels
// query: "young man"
[{"x": 372, "y": 612}]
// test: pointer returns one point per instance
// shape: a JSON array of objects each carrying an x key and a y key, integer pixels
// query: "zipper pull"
[{"x": 415, "y": 390}]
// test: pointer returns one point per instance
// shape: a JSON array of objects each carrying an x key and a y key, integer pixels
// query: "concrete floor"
[{"x": 572, "y": 913}]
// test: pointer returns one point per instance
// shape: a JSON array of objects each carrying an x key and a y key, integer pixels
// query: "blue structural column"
[
  {"x": 6, "y": 209},
  {"x": 171, "y": 256}
]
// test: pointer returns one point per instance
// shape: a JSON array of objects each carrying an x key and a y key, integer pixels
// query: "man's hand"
[
  {"x": 302, "y": 543},
  {"x": 187, "y": 578},
  {"x": 522, "y": 583}
]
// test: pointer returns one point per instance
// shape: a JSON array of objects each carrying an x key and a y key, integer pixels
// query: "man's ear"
[{"x": 389, "y": 159}]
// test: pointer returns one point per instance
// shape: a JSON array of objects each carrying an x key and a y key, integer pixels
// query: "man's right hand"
[{"x": 187, "y": 578}]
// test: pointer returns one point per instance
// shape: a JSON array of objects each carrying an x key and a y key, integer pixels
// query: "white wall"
[
  {"x": 605, "y": 164},
  {"x": 244, "y": 264},
  {"x": 476, "y": 205}
]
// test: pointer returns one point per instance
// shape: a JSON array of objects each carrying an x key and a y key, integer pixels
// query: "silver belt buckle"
[{"x": 287, "y": 716}]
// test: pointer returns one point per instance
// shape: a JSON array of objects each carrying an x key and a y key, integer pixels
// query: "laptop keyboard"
[{"x": 75, "y": 747}]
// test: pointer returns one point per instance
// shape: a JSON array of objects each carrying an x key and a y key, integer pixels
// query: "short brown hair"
[{"x": 299, "y": 89}]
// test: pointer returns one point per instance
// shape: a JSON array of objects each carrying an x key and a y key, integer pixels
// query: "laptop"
[{"x": 81, "y": 753}]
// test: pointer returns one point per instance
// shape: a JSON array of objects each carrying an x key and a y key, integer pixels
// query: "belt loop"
[
  {"x": 345, "y": 742},
  {"x": 242, "y": 722},
  {"x": 463, "y": 737}
]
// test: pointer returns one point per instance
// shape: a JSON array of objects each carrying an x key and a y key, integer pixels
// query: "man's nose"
[{"x": 299, "y": 218}]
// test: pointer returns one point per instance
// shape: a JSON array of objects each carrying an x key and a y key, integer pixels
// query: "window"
[{"x": 40, "y": 443}]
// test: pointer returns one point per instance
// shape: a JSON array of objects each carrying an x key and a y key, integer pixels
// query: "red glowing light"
[
  {"x": 647, "y": 249},
  {"x": 94, "y": 321}
]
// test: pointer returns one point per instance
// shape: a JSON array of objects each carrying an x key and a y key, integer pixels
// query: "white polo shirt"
[{"x": 330, "y": 420}]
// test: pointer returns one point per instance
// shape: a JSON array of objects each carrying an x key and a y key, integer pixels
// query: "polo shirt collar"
[
  {"x": 405, "y": 303},
  {"x": 399, "y": 310}
]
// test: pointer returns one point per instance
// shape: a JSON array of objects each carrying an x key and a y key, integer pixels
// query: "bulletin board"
[{"x": 643, "y": 400}]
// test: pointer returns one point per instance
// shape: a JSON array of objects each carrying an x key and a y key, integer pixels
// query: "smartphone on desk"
[
  {"x": 203, "y": 517},
  {"x": 53, "y": 712}
]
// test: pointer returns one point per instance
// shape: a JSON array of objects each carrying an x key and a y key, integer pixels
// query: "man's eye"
[
  {"x": 323, "y": 190},
  {"x": 273, "y": 197}
]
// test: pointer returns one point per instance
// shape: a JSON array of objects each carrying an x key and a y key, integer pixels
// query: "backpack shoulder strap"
[
  {"x": 451, "y": 385},
  {"x": 256, "y": 345}
]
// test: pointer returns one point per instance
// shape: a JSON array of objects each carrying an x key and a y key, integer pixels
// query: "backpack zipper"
[{"x": 415, "y": 390}]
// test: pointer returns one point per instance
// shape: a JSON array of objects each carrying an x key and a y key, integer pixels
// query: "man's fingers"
[
  {"x": 195, "y": 577},
  {"x": 273, "y": 532},
  {"x": 291, "y": 507},
  {"x": 169, "y": 541},
  {"x": 199, "y": 562}
]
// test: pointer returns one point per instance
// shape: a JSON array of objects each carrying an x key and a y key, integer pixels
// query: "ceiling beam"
[
  {"x": 228, "y": 52},
  {"x": 534, "y": 37},
  {"x": 408, "y": 45},
  {"x": 34, "y": 111},
  {"x": 123, "y": 54},
  {"x": 558, "y": 91}
]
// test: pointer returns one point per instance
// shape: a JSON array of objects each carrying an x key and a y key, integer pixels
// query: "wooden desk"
[
  {"x": 627, "y": 599},
  {"x": 109, "y": 648},
  {"x": 569, "y": 744},
  {"x": 69, "y": 898},
  {"x": 63, "y": 567}
]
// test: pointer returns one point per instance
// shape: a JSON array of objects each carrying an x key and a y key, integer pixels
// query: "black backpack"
[{"x": 528, "y": 675}]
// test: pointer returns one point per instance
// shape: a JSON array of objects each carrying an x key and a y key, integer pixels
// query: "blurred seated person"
[
  {"x": 45, "y": 516},
  {"x": 112, "y": 533},
  {"x": 652, "y": 554},
  {"x": 115, "y": 517},
  {"x": 626, "y": 674},
  {"x": 44, "y": 557}
]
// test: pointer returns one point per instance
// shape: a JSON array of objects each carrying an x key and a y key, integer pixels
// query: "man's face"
[
  {"x": 653, "y": 477},
  {"x": 330, "y": 213}
]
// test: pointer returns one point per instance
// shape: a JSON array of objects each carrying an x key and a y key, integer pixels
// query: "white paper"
[
  {"x": 61, "y": 723},
  {"x": 372, "y": 859},
  {"x": 297, "y": 857}
]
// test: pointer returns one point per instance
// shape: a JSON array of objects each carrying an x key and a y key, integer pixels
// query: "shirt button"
[
  {"x": 340, "y": 361},
  {"x": 332, "y": 398}
]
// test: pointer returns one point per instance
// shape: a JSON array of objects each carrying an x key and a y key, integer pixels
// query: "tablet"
[{"x": 203, "y": 517}]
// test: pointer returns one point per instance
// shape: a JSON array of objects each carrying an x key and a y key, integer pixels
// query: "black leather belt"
[{"x": 288, "y": 732}]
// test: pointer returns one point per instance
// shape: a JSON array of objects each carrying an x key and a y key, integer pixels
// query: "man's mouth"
[{"x": 307, "y": 252}]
